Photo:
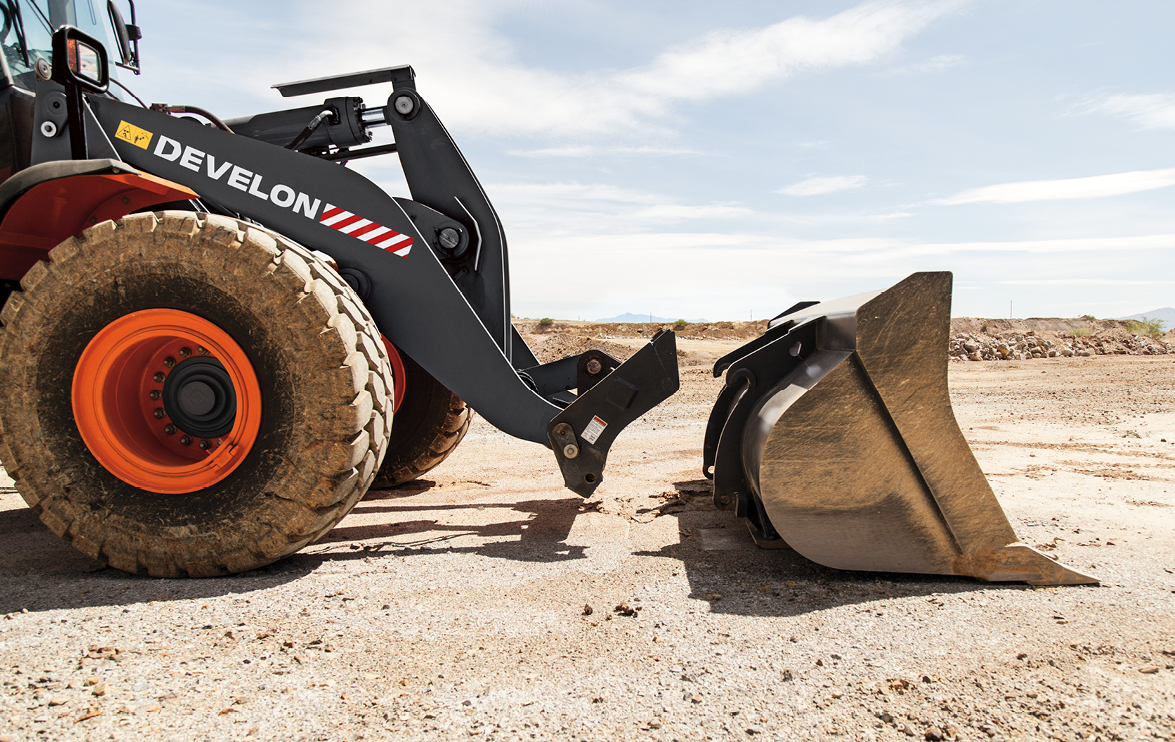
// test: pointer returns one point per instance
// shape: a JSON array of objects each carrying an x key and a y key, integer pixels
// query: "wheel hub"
[
  {"x": 166, "y": 401},
  {"x": 199, "y": 398}
]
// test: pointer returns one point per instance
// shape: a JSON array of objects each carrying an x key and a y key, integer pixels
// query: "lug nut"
[
  {"x": 186, "y": 440},
  {"x": 201, "y": 350},
  {"x": 169, "y": 361},
  {"x": 159, "y": 377},
  {"x": 169, "y": 429},
  {"x": 205, "y": 445},
  {"x": 156, "y": 394},
  {"x": 594, "y": 366},
  {"x": 159, "y": 413},
  {"x": 185, "y": 352}
]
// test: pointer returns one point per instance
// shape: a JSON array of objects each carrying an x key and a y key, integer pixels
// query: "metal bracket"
[
  {"x": 599, "y": 414},
  {"x": 748, "y": 378},
  {"x": 592, "y": 367}
]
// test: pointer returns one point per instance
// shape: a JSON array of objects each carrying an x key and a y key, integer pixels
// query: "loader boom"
[{"x": 433, "y": 272}]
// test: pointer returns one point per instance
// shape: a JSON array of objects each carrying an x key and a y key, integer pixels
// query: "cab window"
[{"x": 26, "y": 33}]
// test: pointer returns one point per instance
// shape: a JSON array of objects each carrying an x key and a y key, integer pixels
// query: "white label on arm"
[{"x": 594, "y": 429}]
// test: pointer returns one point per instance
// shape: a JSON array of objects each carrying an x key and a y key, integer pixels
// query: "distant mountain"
[
  {"x": 1167, "y": 314},
  {"x": 630, "y": 317}
]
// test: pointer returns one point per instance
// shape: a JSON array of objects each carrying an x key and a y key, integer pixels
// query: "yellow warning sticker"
[{"x": 133, "y": 134}]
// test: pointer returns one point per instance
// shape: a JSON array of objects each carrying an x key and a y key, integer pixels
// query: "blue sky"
[{"x": 724, "y": 160}]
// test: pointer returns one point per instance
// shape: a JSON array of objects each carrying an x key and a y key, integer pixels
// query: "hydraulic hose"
[{"x": 192, "y": 110}]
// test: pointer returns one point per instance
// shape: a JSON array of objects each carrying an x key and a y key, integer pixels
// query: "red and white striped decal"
[{"x": 366, "y": 230}]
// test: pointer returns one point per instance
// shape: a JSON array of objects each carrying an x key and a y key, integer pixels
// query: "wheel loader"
[{"x": 217, "y": 337}]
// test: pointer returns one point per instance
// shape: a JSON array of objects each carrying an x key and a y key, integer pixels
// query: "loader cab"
[{"x": 26, "y": 32}]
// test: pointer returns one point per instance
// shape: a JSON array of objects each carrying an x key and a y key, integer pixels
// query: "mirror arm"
[
  {"x": 73, "y": 95},
  {"x": 76, "y": 81}
]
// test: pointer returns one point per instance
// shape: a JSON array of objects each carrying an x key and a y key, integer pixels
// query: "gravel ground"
[{"x": 486, "y": 601}]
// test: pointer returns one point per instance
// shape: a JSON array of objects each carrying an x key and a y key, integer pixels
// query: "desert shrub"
[
  {"x": 1081, "y": 332},
  {"x": 545, "y": 323},
  {"x": 680, "y": 325},
  {"x": 1088, "y": 317},
  {"x": 1147, "y": 326}
]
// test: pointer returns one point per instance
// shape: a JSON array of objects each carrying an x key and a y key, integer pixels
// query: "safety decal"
[
  {"x": 133, "y": 134},
  {"x": 366, "y": 230},
  {"x": 592, "y": 432}
]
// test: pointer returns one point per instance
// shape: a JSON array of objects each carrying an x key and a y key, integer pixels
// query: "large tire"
[
  {"x": 430, "y": 422},
  {"x": 320, "y": 405}
]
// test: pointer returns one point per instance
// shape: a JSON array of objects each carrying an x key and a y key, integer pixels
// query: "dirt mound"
[
  {"x": 605, "y": 330},
  {"x": 552, "y": 346},
  {"x": 975, "y": 339}
]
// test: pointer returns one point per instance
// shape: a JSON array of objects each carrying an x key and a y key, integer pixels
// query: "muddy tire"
[
  {"x": 430, "y": 422},
  {"x": 225, "y": 467}
]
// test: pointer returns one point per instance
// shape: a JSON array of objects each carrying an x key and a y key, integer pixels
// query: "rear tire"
[
  {"x": 323, "y": 386},
  {"x": 430, "y": 422}
]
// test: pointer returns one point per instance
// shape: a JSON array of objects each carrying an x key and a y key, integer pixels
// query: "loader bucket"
[{"x": 835, "y": 436}]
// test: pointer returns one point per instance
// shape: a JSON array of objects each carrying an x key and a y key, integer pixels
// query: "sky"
[{"x": 724, "y": 160}]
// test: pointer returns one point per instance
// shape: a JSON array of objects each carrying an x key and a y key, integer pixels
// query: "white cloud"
[
  {"x": 1097, "y": 186},
  {"x": 1155, "y": 111},
  {"x": 1083, "y": 282},
  {"x": 674, "y": 212},
  {"x": 673, "y": 271},
  {"x": 586, "y": 208},
  {"x": 934, "y": 64},
  {"x": 728, "y": 62},
  {"x": 821, "y": 186},
  {"x": 473, "y": 77},
  {"x": 811, "y": 144},
  {"x": 591, "y": 151}
]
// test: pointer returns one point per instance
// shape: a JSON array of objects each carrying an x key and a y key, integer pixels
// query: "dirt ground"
[{"x": 458, "y": 607}]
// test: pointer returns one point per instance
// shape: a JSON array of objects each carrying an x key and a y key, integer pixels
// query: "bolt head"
[
  {"x": 724, "y": 499},
  {"x": 159, "y": 413},
  {"x": 563, "y": 429},
  {"x": 404, "y": 105},
  {"x": 156, "y": 394},
  {"x": 158, "y": 377},
  {"x": 571, "y": 450},
  {"x": 169, "y": 362},
  {"x": 185, "y": 352},
  {"x": 205, "y": 445},
  {"x": 201, "y": 350},
  {"x": 169, "y": 429},
  {"x": 449, "y": 238},
  {"x": 594, "y": 366},
  {"x": 186, "y": 440}
]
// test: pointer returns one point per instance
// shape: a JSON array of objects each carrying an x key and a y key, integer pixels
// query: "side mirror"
[
  {"x": 126, "y": 36},
  {"x": 80, "y": 59}
]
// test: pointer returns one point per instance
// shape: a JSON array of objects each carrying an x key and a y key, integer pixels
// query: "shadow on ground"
[
  {"x": 727, "y": 570},
  {"x": 40, "y": 572}
]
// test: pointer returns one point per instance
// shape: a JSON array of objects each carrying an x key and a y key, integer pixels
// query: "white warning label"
[{"x": 594, "y": 429}]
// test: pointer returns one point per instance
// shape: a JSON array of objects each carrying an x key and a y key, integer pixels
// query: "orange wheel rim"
[
  {"x": 136, "y": 432},
  {"x": 399, "y": 378}
]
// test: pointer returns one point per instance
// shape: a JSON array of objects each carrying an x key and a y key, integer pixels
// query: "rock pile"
[{"x": 1009, "y": 346}]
